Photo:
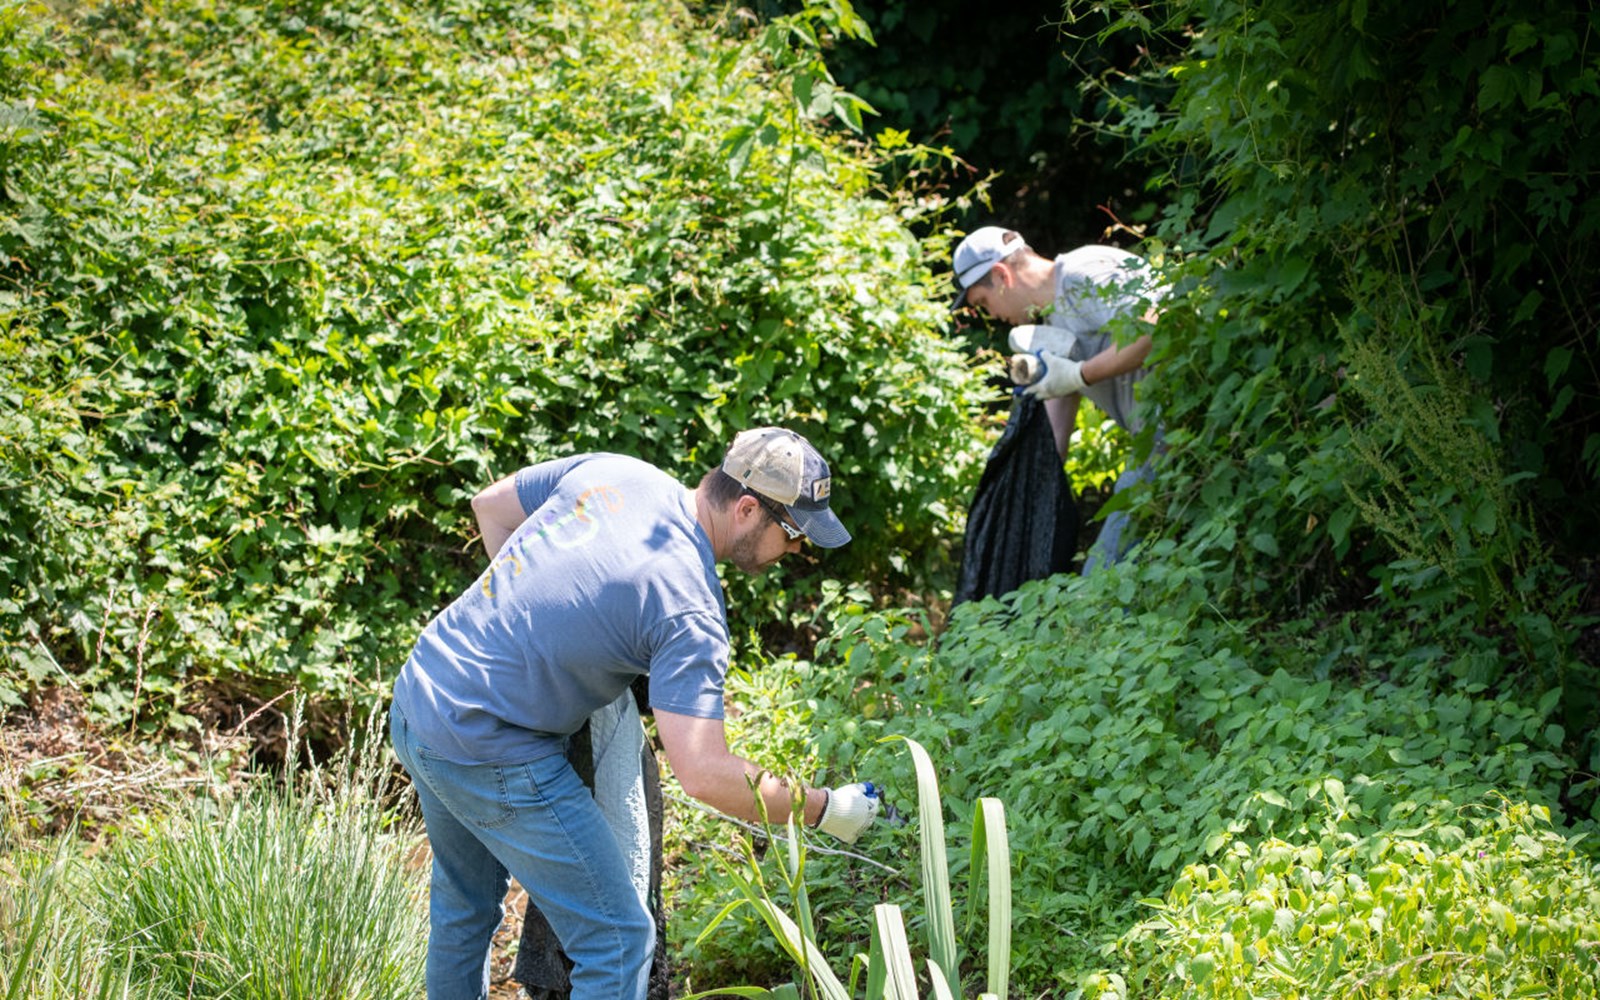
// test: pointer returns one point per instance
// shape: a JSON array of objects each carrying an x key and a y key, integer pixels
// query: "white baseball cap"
[
  {"x": 977, "y": 255},
  {"x": 783, "y": 466}
]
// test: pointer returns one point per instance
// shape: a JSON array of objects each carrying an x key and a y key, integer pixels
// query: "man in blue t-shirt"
[{"x": 602, "y": 570}]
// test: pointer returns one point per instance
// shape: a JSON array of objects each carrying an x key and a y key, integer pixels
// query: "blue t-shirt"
[{"x": 609, "y": 577}]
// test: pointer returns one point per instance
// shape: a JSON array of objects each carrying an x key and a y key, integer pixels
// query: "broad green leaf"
[
  {"x": 991, "y": 854},
  {"x": 736, "y": 147},
  {"x": 935, "y": 865}
]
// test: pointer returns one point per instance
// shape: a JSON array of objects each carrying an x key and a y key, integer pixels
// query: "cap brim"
[
  {"x": 961, "y": 299},
  {"x": 822, "y": 528}
]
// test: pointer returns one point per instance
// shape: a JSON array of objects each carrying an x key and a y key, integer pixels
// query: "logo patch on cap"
[{"x": 821, "y": 488}]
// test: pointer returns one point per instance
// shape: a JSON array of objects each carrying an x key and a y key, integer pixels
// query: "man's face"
[
  {"x": 997, "y": 296},
  {"x": 759, "y": 542}
]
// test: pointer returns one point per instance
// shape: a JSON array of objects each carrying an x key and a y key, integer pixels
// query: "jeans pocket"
[{"x": 476, "y": 794}]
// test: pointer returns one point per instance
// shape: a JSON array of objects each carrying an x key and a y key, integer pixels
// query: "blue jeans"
[{"x": 535, "y": 820}]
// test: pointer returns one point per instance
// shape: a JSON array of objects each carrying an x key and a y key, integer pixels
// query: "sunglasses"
[{"x": 776, "y": 513}]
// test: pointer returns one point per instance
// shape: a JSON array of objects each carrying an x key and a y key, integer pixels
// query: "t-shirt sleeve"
[
  {"x": 535, "y": 483},
  {"x": 688, "y": 664}
]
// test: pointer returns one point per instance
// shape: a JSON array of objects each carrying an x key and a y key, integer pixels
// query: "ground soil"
[
  {"x": 501, "y": 985},
  {"x": 59, "y": 771}
]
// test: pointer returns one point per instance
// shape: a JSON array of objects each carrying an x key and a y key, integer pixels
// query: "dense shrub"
[
  {"x": 1132, "y": 731},
  {"x": 284, "y": 284},
  {"x": 1492, "y": 904},
  {"x": 1382, "y": 374}
]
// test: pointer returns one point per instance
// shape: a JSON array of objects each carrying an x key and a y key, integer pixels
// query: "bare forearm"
[
  {"x": 499, "y": 513},
  {"x": 733, "y": 790},
  {"x": 1114, "y": 361},
  {"x": 698, "y": 751}
]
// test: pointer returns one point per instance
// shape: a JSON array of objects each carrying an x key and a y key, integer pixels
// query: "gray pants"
[
  {"x": 612, "y": 756},
  {"x": 1112, "y": 544}
]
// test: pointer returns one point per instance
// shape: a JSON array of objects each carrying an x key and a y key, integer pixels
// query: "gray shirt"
[
  {"x": 1095, "y": 284},
  {"x": 609, "y": 577}
]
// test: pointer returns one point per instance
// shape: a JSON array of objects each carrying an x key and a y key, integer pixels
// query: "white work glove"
[
  {"x": 850, "y": 810},
  {"x": 1030, "y": 339},
  {"x": 1043, "y": 375}
]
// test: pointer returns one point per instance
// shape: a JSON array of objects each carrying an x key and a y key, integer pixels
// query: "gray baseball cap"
[
  {"x": 977, "y": 255},
  {"x": 783, "y": 466}
]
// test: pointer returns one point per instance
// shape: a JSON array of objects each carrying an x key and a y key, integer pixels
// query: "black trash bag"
[
  {"x": 1023, "y": 523},
  {"x": 543, "y": 969}
]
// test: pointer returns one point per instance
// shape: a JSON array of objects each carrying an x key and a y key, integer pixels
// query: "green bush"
[
  {"x": 1132, "y": 731},
  {"x": 783, "y": 901},
  {"x": 282, "y": 286},
  {"x": 1495, "y": 904},
  {"x": 1373, "y": 380}
]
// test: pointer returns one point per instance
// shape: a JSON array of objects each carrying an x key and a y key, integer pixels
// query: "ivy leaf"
[
  {"x": 1499, "y": 85},
  {"x": 736, "y": 147},
  {"x": 1556, "y": 363}
]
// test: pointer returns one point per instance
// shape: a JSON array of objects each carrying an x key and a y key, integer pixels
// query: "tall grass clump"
[
  {"x": 299, "y": 889},
  {"x": 54, "y": 945}
]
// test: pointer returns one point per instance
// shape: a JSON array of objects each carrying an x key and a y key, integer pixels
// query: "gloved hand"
[
  {"x": 850, "y": 810},
  {"x": 1051, "y": 375},
  {"x": 1032, "y": 338}
]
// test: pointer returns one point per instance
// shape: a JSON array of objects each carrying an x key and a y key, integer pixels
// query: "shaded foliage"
[
  {"x": 1014, "y": 91},
  {"x": 1381, "y": 390}
]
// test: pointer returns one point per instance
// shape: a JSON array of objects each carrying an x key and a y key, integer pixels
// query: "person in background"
[
  {"x": 602, "y": 570},
  {"x": 1060, "y": 311}
]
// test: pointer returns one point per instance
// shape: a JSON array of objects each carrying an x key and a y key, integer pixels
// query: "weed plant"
[{"x": 888, "y": 968}]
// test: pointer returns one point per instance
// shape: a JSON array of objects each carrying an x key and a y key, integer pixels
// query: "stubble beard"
[{"x": 744, "y": 554}]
